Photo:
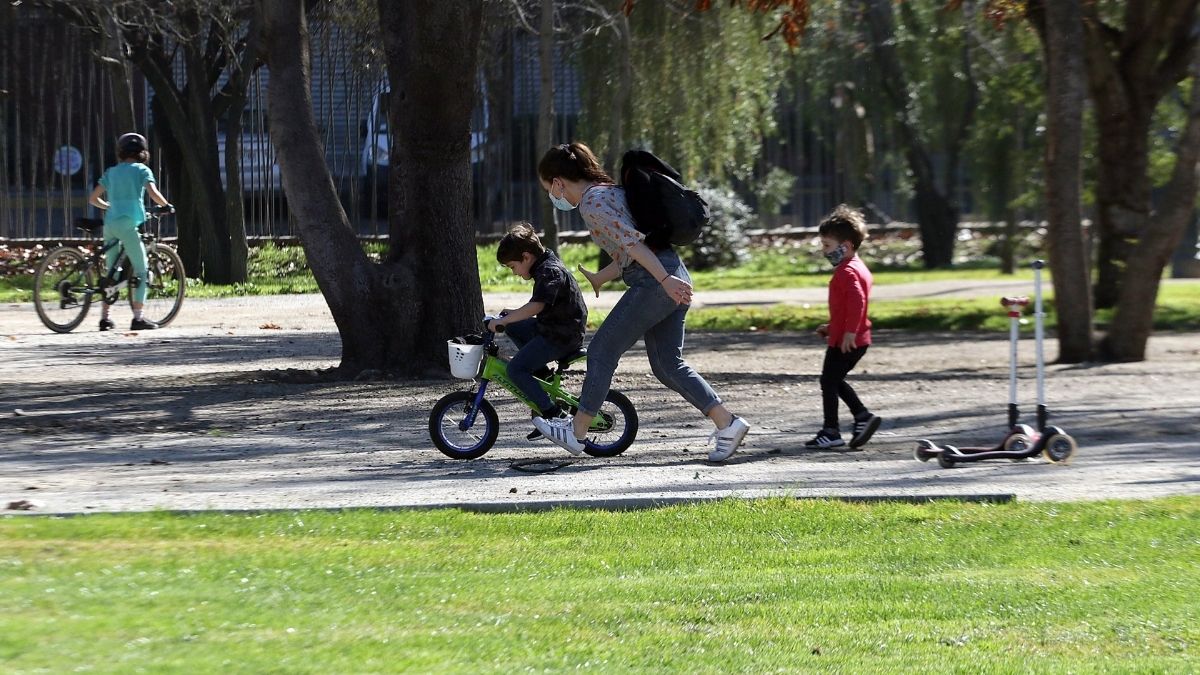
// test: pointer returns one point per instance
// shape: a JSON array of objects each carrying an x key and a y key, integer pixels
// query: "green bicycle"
[{"x": 464, "y": 425}]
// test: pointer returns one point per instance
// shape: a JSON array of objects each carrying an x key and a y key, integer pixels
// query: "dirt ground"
[{"x": 193, "y": 417}]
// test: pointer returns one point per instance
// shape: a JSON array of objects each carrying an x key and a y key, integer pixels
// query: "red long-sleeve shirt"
[{"x": 849, "y": 294}]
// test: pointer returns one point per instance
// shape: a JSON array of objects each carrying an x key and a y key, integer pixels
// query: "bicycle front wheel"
[
  {"x": 62, "y": 289},
  {"x": 445, "y": 426},
  {"x": 167, "y": 284}
]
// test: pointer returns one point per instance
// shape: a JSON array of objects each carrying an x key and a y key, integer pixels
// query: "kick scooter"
[{"x": 1021, "y": 442}]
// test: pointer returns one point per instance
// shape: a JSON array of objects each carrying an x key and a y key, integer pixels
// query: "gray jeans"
[{"x": 645, "y": 311}]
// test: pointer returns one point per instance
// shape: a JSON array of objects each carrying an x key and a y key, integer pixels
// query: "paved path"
[{"x": 190, "y": 417}]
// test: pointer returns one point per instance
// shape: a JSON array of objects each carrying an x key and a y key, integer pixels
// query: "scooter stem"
[
  {"x": 1014, "y": 318},
  {"x": 1039, "y": 336}
]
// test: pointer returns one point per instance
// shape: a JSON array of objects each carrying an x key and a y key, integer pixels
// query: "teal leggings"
[{"x": 126, "y": 231}]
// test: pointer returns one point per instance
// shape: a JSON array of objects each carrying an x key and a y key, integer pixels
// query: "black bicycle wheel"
[
  {"x": 455, "y": 443},
  {"x": 62, "y": 289},
  {"x": 618, "y": 422},
  {"x": 166, "y": 283}
]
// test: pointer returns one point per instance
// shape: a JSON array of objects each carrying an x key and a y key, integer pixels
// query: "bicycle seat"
[
  {"x": 89, "y": 224},
  {"x": 567, "y": 360}
]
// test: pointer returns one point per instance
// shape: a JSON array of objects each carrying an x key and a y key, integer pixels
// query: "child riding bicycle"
[
  {"x": 126, "y": 184},
  {"x": 548, "y": 327}
]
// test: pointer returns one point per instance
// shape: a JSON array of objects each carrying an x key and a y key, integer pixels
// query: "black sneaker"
[
  {"x": 864, "y": 429},
  {"x": 826, "y": 438},
  {"x": 142, "y": 324},
  {"x": 107, "y": 324}
]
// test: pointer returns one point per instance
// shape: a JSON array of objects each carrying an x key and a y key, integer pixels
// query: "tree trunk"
[
  {"x": 375, "y": 307},
  {"x": 620, "y": 102},
  {"x": 545, "y": 123},
  {"x": 430, "y": 46},
  {"x": 1130, "y": 69},
  {"x": 1122, "y": 191},
  {"x": 1063, "y": 40},
  {"x": 1134, "y": 316},
  {"x": 120, "y": 76}
]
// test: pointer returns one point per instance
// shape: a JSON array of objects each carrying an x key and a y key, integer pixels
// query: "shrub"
[{"x": 724, "y": 242}]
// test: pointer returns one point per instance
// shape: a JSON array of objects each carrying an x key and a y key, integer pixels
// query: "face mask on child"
[
  {"x": 836, "y": 255},
  {"x": 559, "y": 203}
]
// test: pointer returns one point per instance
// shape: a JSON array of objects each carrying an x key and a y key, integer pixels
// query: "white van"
[
  {"x": 374, "y": 162},
  {"x": 260, "y": 166}
]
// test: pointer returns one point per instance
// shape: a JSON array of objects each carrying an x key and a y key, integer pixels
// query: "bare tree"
[{"x": 211, "y": 38}]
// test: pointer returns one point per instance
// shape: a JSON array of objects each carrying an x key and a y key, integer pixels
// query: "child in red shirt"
[{"x": 848, "y": 332}]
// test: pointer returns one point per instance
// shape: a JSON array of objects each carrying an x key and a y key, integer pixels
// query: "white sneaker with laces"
[
  {"x": 561, "y": 431},
  {"x": 728, "y": 439}
]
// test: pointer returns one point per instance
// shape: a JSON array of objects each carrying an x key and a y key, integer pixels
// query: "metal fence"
[{"x": 56, "y": 114}]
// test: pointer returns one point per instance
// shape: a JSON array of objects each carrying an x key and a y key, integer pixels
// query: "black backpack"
[{"x": 667, "y": 212}]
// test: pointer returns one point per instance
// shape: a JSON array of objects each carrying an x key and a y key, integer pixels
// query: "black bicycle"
[{"x": 69, "y": 278}]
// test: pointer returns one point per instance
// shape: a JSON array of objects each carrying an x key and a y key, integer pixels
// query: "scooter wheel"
[
  {"x": 1018, "y": 443},
  {"x": 1059, "y": 448},
  {"x": 925, "y": 451},
  {"x": 946, "y": 457}
]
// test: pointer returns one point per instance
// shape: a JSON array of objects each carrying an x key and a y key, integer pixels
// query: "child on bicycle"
[
  {"x": 548, "y": 327},
  {"x": 848, "y": 333},
  {"x": 125, "y": 185}
]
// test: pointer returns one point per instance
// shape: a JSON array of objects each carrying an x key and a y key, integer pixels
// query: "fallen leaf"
[
  {"x": 23, "y": 505},
  {"x": 270, "y": 326}
]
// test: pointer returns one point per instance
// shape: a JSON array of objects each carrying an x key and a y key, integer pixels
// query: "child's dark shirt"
[{"x": 564, "y": 318}]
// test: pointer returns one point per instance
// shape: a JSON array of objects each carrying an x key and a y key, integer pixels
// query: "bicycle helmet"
[{"x": 130, "y": 143}]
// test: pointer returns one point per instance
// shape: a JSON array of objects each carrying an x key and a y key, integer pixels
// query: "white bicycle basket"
[{"x": 464, "y": 360}]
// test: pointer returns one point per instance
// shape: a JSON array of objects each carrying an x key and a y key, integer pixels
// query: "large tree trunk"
[
  {"x": 1134, "y": 317},
  {"x": 431, "y": 53},
  {"x": 1065, "y": 76},
  {"x": 376, "y": 307}
]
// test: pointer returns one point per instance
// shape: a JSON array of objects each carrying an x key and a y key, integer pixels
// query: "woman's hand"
[
  {"x": 823, "y": 330},
  {"x": 679, "y": 290},
  {"x": 593, "y": 278}
]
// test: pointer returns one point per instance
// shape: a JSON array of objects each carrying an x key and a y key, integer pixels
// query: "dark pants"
[
  {"x": 533, "y": 353},
  {"x": 833, "y": 384}
]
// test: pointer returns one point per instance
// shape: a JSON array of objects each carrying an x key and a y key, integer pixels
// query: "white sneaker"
[
  {"x": 561, "y": 431},
  {"x": 728, "y": 439}
]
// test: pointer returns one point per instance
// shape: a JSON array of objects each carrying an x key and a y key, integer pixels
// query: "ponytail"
[{"x": 572, "y": 161}]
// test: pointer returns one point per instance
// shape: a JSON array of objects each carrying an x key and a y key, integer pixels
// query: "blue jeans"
[
  {"x": 645, "y": 311},
  {"x": 533, "y": 352}
]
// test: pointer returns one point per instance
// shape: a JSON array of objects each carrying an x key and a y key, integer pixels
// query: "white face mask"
[{"x": 560, "y": 203}]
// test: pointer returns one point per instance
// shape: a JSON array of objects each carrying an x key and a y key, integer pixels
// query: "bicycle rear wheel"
[
  {"x": 167, "y": 284},
  {"x": 62, "y": 289}
]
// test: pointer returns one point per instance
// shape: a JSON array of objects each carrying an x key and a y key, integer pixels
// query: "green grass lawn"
[
  {"x": 1178, "y": 308},
  {"x": 736, "y": 586},
  {"x": 275, "y": 270}
]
